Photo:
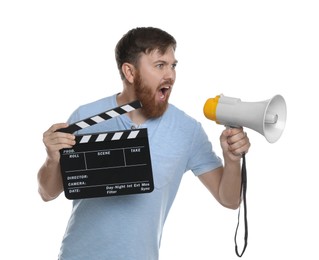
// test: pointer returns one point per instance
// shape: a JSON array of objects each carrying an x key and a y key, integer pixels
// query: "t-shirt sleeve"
[
  {"x": 202, "y": 156},
  {"x": 74, "y": 117}
]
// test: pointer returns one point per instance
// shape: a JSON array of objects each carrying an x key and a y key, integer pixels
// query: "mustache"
[{"x": 167, "y": 82}]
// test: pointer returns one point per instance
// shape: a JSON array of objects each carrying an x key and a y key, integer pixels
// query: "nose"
[{"x": 170, "y": 73}]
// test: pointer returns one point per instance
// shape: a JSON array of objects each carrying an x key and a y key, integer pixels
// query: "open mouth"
[{"x": 164, "y": 92}]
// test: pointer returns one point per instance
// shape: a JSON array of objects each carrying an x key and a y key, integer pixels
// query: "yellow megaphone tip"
[{"x": 210, "y": 108}]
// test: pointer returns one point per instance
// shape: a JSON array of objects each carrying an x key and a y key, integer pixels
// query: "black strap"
[{"x": 243, "y": 190}]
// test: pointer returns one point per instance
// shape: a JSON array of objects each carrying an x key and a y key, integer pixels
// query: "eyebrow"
[{"x": 165, "y": 62}]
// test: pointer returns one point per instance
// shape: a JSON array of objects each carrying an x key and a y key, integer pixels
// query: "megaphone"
[{"x": 266, "y": 117}]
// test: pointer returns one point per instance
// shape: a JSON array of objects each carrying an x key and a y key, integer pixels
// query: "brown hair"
[{"x": 141, "y": 40}]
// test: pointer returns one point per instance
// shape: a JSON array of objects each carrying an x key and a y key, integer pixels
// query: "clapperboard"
[{"x": 107, "y": 164}]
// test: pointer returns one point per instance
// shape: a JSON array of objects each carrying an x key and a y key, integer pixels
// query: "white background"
[{"x": 57, "y": 55}]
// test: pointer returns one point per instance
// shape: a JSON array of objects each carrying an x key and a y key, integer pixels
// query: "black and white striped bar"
[
  {"x": 102, "y": 117},
  {"x": 109, "y": 136}
]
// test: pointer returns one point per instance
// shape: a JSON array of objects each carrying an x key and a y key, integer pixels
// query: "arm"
[
  {"x": 49, "y": 176},
  {"x": 225, "y": 182}
]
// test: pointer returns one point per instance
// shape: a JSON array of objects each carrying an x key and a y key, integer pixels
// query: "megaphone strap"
[{"x": 243, "y": 190}]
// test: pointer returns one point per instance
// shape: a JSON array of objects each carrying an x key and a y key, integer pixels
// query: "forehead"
[{"x": 156, "y": 55}]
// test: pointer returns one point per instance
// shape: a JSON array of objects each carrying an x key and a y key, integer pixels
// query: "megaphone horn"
[{"x": 266, "y": 117}]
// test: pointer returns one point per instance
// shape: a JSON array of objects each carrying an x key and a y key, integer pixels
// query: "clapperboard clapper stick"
[{"x": 107, "y": 163}]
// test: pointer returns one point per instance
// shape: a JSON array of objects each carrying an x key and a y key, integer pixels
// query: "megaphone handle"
[{"x": 243, "y": 190}]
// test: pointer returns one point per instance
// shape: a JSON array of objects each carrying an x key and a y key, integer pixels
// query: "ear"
[{"x": 128, "y": 71}]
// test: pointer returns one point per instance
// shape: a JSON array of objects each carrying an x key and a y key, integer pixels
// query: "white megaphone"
[{"x": 266, "y": 117}]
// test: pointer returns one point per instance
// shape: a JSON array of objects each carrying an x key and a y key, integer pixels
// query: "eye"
[
  {"x": 174, "y": 66},
  {"x": 160, "y": 65}
]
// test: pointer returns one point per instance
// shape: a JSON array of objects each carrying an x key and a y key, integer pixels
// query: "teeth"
[{"x": 163, "y": 91}]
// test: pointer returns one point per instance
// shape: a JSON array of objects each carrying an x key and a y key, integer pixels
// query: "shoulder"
[
  {"x": 176, "y": 113},
  {"x": 180, "y": 123},
  {"x": 180, "y": 118},
  {"x": 92, "y": 108}
]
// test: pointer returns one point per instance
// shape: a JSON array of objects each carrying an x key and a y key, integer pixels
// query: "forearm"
[
  {"x": 50, "y": 180},
  {"x": 230, "y": 184}
]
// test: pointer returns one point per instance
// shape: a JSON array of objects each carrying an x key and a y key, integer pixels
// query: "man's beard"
[{"x": 150, "y": 108}]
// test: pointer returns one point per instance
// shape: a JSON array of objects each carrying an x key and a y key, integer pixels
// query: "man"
[{"x": 130, "y": 227}]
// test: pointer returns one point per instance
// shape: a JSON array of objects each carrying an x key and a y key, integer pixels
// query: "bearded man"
[{"x": 130, "y": 227}]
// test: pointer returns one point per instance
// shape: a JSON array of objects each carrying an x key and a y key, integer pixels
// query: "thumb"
[{"x": 224, "y": 136}]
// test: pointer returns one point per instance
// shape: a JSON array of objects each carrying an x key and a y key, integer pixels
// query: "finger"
[
  {"x": 59, "y": 146},
  {"x": 235, "y": 137},
  {"x": 240, "y": 147},
  {"x": 52, "y": 139},
  {"x": 55, "y": 144},
  {"x": 63, "y": 138},
  {"x": 55, "y": 127}
]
